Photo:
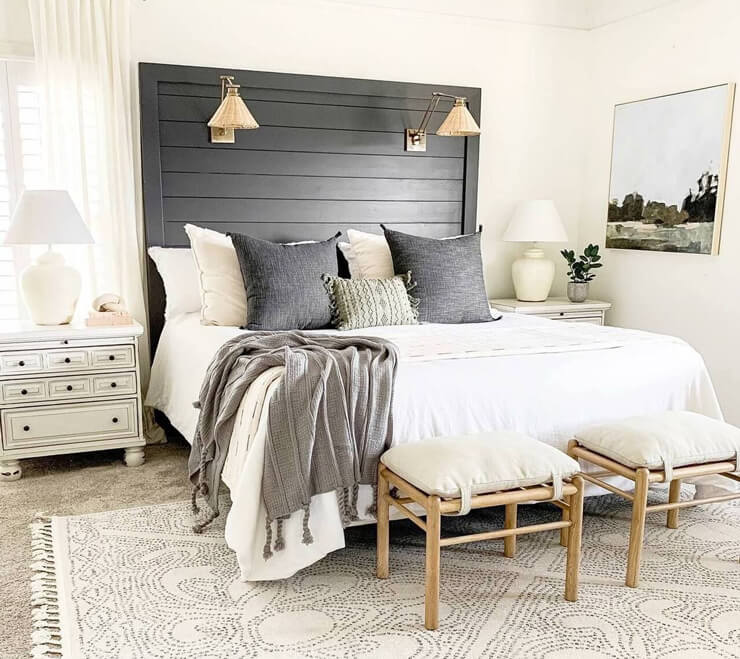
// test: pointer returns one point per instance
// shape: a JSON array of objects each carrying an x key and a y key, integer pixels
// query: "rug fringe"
[{"x": 46, "y": 639}]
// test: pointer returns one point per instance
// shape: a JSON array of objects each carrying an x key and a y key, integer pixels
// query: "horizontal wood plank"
[
  {"x": 304, "y": 115},
  {"x": 258, "y": 186},
  {"x": 191, "y": 209},
  {"x": 213, "y": 92},
  {"x": 175, "y": 235},
  {"x": 241, "y": 161},
  {"x": 309, "y": 140}
]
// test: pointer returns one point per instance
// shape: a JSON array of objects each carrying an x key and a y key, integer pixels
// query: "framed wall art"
[{"x": 668, "y": 171}]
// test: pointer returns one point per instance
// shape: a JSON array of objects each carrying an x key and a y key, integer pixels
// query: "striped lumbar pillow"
[{"x": 358, "y": 303}]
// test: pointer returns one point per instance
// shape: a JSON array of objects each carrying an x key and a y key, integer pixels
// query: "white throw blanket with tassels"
[{"x": 329, "y": 421}]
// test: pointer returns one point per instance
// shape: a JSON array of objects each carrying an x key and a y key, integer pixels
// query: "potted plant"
[{"x": 580, "y": 271}]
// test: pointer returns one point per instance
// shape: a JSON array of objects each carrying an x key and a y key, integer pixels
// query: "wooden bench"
[
  {"x": 661, "y": 448},
  {"x": 454, "y": 475}
]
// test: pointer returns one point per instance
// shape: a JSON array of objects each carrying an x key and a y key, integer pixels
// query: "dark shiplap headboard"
[{"x": 328, "y": 156}]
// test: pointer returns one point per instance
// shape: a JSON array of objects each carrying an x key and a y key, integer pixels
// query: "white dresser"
[
  {"x": 558, "y": 308},
  {"x": 68, "y": 389}
]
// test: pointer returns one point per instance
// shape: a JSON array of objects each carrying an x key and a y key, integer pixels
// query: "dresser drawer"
[
  {"x": 23, "y": 391},
  {"x": 21, "y": 362},
  {"x": 112, "y": 357},
  {"x": 66, "y": 360},
  {"x": 69, "y": 387},
  {"x": 67, "y": 424},
  {"x": 114, "y": 383}
]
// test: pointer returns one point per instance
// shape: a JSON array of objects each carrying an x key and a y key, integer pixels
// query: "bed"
[
  {"x": 536, "y": 376},
  {"x": 329, "y": 157}
]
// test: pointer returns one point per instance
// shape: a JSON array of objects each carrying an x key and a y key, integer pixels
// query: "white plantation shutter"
[{"x": 21, "y": 165}]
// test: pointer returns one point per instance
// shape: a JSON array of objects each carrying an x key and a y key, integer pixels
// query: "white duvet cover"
[{"x": 540, "y": 377}]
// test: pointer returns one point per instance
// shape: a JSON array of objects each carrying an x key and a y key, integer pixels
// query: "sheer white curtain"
[{"x": 82, "y": 51}]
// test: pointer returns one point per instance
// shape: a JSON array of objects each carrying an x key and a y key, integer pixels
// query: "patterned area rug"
[{"x": 139, "y": 583}]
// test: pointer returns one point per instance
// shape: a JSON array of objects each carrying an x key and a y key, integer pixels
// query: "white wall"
[
  {"x": 532, "y": 80},
  {"x": 688, "y": 44}
]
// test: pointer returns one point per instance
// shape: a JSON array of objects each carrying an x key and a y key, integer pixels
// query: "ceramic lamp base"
[
  {"x": 532, "y": 275},
  {"x": 50, "y": 289}
]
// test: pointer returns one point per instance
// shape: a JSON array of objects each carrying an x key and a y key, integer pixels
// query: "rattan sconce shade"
[
  {"x": 233, "y": 112},
  {"x": 459, "y": 122}
]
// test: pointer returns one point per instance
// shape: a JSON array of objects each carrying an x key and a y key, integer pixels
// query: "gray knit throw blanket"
[{"x": 329, "y": 420}]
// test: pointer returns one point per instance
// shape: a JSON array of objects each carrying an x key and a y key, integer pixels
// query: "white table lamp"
[
  {"x": 50, "y": 287},
  {"x": 536, "y": 221}
]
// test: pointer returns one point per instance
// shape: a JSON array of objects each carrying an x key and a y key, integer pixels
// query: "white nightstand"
[
  {"x": 558, "y": 308},
  {"x": 68, "y": 389}
]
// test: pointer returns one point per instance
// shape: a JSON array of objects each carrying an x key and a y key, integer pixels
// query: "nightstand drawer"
[
  {"x": 67, "y": 424},
  {"x": 112, "y": 357},
  {"x": 593, "y": 320},
  {"x": 114, "y": 383},
  {"x": 23, "y": 391},
  {"x": 574, "y": 317},
  {"x": 21, "y": 362},
  {"x": 66, "y": 360},
  {"x": 70, "y": 387}
]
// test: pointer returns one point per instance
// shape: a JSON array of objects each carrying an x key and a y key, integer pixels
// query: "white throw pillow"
[
  {"x": 177, "y": 268},
  {"x": 371, "y": 254},
  {"x": 222, "y": 293},
  {"x": 349, "y": 255}
]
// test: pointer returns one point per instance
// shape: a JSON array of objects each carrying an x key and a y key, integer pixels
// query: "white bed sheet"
[{"x": 546, "y": 394}]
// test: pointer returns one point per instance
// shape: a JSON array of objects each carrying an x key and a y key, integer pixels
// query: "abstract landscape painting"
[{"x": 669, "y": 160}]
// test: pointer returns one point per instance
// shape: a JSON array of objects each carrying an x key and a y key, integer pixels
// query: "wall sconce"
[
  {"x": 458, "y": 123},
  {"x": 231, "y": 114}
]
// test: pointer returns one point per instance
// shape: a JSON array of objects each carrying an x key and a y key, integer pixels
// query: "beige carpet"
[
  {"x": 68, "y": 485},
  {"x": 138, "y": 583}
]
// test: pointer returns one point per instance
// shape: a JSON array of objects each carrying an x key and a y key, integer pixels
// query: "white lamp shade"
[
  {"x": 536, "y": 221},
  {"x": 45, "y": 217}
]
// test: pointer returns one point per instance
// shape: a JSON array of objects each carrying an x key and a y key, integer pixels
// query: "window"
[{"x": 21, "y": 165}]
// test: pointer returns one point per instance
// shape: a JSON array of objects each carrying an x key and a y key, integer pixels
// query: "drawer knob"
[
  {"x": 115, "y": 419},
  {"x": 113, "y": 384},
  {"x": 65, "y": 342},
  {"x": 21, "y": 363},
  {"x": 67, "y": 360},
  {"x": 69, "y": 387},
  {"x": 24, "y": 392},
  {"x": 111, "y": 357},
  {"x": 26, "y": 428}
]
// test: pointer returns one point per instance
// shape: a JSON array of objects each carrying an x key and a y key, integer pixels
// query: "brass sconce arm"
[{"x": 436, "y": 97}]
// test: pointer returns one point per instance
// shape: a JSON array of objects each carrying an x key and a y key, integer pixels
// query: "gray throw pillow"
[
  {"x": 358, "y": 303},
  {"x": 448, "y": 275},
  {"x": 283, "y": 282}
]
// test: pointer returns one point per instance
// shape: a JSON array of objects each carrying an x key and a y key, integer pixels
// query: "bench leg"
[
  {"x": 637, "y": 528},
  {"x": 573, "y": 562},
  {"x": 382, "y": 509},
  {"x": 510, "y": 523},
  {"x": 431, "y": 596},
  {"x": 674, "y": 496},
  {"x": 566, "y": 518}
]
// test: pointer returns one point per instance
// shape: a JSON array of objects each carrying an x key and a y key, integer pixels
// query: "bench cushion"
[
  {"x": 460, "y": 466},
  {"x": 675, "y": 438}
]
